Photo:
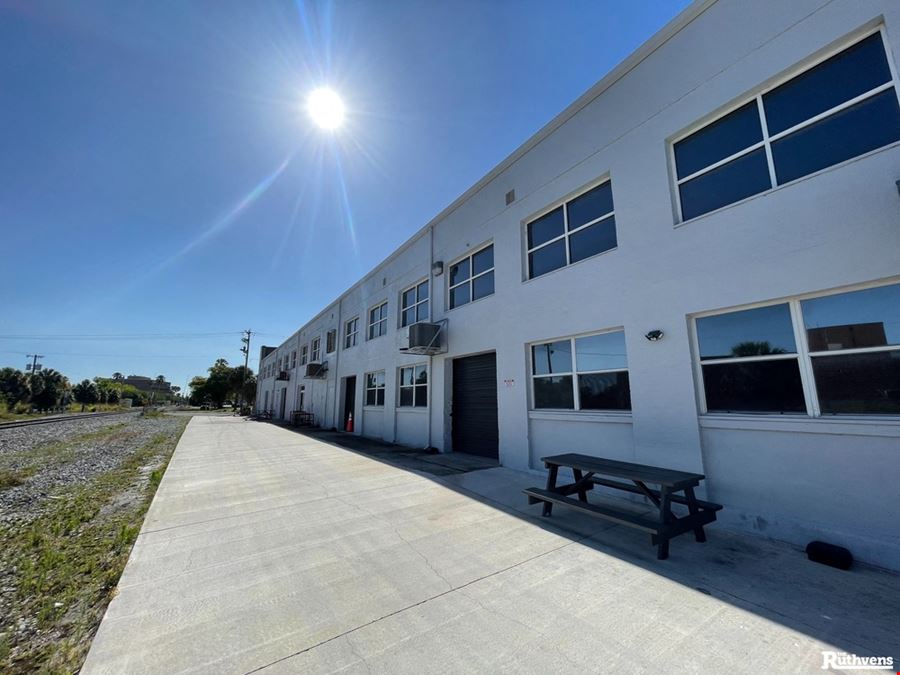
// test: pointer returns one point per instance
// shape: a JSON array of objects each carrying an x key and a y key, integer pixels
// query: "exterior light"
[
  {"x": 654, "y": 335},
  {"x": 437, "y": 268}
]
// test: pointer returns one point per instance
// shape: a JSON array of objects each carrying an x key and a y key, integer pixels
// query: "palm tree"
[{"x": 118, "y": 377}]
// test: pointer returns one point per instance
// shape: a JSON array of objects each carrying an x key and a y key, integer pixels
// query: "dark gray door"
[{"x": 474, "y": 421}]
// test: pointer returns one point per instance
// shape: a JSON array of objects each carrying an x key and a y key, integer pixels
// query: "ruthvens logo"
[{"x": 845, "y": 661}]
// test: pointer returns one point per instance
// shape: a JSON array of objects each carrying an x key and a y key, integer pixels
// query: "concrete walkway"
[{"x": 268, "y": 550}]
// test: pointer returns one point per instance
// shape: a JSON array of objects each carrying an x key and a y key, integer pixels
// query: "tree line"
[{"x": 223, "y": 383}]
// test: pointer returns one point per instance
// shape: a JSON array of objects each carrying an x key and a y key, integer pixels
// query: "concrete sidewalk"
[{"x": 267, "y": 550}]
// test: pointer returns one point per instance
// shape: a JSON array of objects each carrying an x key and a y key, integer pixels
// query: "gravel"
[{"x": 53, "y": 457}]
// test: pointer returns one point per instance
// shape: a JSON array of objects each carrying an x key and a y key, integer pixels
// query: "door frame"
[{"x": 449, "y": 384}]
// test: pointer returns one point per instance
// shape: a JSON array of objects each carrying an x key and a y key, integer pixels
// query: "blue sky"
[{"x": 160, "y": 181}]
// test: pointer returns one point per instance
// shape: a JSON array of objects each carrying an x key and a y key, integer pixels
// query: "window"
[
  {"x": 330, "y": 341},
  {"x": 472, "y": 278},
  {"x": 301, "y": 397},
  {"x": 279, "y": 365},
  {"x": 414, "y": 386},
  {"x": 581, "y": 373},
  {"x": 351, "y": 330},
  {"x": 582, "y": 227},
  {"x": 304, "y": 352},
  {"x": 375, "y": 388},
  {"x": 314, "y": 350},
  {"x": 839, "y": 109},
  {"x": 414, "y": 304},
  {"x": 293, "y": 359},
  {"x": 378, "y": 321},
  {"x": 850, "y": 350}
]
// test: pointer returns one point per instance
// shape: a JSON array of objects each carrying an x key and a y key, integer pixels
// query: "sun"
[{"x": 325, "y": 108}]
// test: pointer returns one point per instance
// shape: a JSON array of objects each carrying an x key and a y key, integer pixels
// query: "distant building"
[{"x": 149, "y": 385}]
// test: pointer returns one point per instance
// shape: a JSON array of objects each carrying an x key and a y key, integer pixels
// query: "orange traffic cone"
[{"x": 349, "y": 422}]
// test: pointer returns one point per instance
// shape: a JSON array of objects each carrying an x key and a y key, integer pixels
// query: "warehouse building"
[{"x": 696, "y": 265}]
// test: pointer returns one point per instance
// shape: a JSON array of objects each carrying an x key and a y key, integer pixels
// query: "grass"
[
  {"x": 11, "y": 478},
  {"x": 68, "y": 561}
]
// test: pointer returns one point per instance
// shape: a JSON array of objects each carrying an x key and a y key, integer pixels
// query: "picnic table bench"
[
  {"x": 301, "y": 418},
  {"x": 673, "y": 486}
]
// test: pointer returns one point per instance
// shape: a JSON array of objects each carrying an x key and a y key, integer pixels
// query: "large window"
[
  {"x": 315, "y": 350},
  {"x": 330, "y": 341},
  {"x": 579, "y": 229},
  {"x": 304, "y": 355},
  {"x": 293, "y": 359},
  {"x": 838, "y": 109},
  {"x": 472, "y": 278},
  {"x": 414, "y": 386},
  {"x": 351, "y": 331},
  {"x": 378, "y": 321},
  {"x": 847, "y": 362},
  {"x": 375, "y": 388},
  {"x": 581, "y": 373},
  {"x": 414, "y": 304}
]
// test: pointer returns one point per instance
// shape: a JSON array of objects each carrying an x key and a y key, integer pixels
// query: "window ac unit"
[
  {"x": 316, "y": 370},
  {"x": 283, "y": 375},
  {"x": 424, "y": 338}
]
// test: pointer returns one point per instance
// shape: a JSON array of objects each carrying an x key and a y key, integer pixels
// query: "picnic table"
[
  {"x": 672, "y": 486},
  {"x": 301, "y": 418}
]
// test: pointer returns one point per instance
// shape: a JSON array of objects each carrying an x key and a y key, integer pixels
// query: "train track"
[{"x": 62, "y": 418}]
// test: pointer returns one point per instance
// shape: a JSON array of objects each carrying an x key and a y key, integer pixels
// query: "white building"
[{"x": 732, "y": 184}]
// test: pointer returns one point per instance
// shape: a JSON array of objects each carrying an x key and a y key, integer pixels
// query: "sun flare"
[{"x": 325, "y": 108}]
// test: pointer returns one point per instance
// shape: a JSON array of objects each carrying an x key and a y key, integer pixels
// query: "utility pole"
[
  {"x": 246, "y": 350},
  {"x": 34, "y": 366}
]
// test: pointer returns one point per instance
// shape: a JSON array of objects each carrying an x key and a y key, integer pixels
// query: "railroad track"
[{"x": 62, "y": 418}]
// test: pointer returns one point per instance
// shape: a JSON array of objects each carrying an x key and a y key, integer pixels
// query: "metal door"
[{"x": 474, "y": 421}]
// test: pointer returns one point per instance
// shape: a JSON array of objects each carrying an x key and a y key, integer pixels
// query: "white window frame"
[
  {"x": 574, "y": 373},
  {"x": 351, "y": 336},
  {"x": 472, "y": 277},
  {"x": 315, "y": 350},
  {"x": 367, "y": 389},
  {"x": 803, "y": 355},
  {"x": 767, "y": 140},
  {"x": 566, "y": 233},
  {"x": 293, "y": 359},
  {"x": 381, "y": 323},
  {"x": 301, "y": 397},
  {"x": 414, "y": 387},
  {"x": 415, "y": 305},
  {"x": 331, "y": 341},
  {"x": 304, "y": 355}
]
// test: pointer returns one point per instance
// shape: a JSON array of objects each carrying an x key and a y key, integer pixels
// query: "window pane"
[
  {"x": 740, "y": 178},
  {"x": 421, "y": 397},
  {"x": 724, "y": 137},
  {"x": 869, "y": 318},
  {"x": 545, "y": 228},
  {"x": 406, "y": 396},
  {"x": 379, "y": 378},
  {"x": 459, "y": 296},
  {"x": 409, "y": 316},
  {"x": 592, "y": 240},
  {"x": 459, "y": 272},
  {"x": 859, "y": 383},
  {"x": 379, "y": 396},
  {"x": 600, "y": 352},
  {"x": 422, "y": 291},
  {"x": 409, "y": 297},
  {"x": 483, "y": 260},
  {"x": 853, "y": 131},
  {"x": 422, "y": 311},
  {"x": 590, "y": 206},
  {"x": 751, "y": 332},
  {"x": 547, "y": 259},
  {"x": 421, "y": 374},
  {"x": 555, "y": 357},
  {"x": 757, "y": 386},
  {"x": 604, "y": 391},
  {"x": 483, "y": 286},
  {"x": 554, "y": 392},
  {"x": 406, "y": 377},
  {"x": 854, "y": 71}
]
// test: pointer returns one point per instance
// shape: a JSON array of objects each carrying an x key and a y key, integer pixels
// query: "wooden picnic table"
[
  {"x": 302, "y": 418},
  {"x": 672, "y": 486}
]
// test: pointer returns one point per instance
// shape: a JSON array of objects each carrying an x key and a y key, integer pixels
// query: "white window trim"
[
  {"x": 472, "y": 277},
  {"x": 415, "y": 305},
  {"x": 574, "y": 373},
  {"x": 767, "y": 140},
  {"x": 293, "y": 359},
  {"x": 367, "y": 389},
  {"x": 370, "y": 323},
  {"x": 333, "y": 343},
  {"x": 348, "y": 343},
  {"x": 424, "y": 386},
  {"x": 304, "y": 355},
  {"x": 803, "y": 356},
  {"x": 315, "y": 350}
]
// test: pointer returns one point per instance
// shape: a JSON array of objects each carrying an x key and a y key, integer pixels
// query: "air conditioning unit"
[
  {"x": 424, "y": 338},
  {"x": 283, "y": 375},
  {"x": 316, "y": 370}
]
